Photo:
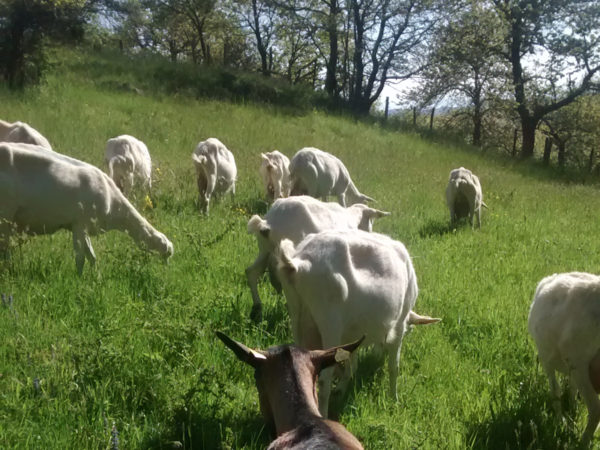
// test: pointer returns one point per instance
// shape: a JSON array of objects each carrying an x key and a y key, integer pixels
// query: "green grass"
[{"x": 132, "y": 343}]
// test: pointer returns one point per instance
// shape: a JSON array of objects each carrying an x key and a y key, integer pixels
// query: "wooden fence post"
[
  {"x": 431, "y": 118},
  {"x": 387, "y": 107}
]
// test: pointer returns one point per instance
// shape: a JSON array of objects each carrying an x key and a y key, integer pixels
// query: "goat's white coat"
[
  {"x": 216, "y": 171},
  {"x": 343, "y": 284},
  {"x": 464, "y": 196},
  {"x": 275, "y": 172},
  {"x": 22, "y": 132},
  {"x": 129, "y": 163},
  {"x": 320, "y": 174},
  {"x": 294, "y": 218},
  {"x": 44, "y": 191},
  {"x": 564, "y": 323}
]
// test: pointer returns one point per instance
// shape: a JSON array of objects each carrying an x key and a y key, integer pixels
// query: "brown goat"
[{"x": 286, "y": 381}]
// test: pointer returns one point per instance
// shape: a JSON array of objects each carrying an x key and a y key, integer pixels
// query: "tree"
[
  {"x": 465, "y": 62},
  {"x": 197, "y": 13},
  {"x": 389, "y": 37},
  {"x": 26, "y": 26},
  {"x": 260, "y": 17},
  {"x": 574, "y": 130},
  {"x": 322, "y": 22},
  {"x": 564, "y": 35}
]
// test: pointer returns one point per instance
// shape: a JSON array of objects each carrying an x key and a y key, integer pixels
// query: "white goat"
[
  {"x": 275, "y": 172},
  {"x": 463, "y": 195},
  {"x": 43, "y": 192},
  {"x": 129, "y": 163},
  {"x": 319, "y": 174},
  {"x": 215, "y": 171},
  {"x": 21, "y": 132},
  {"x": 563, "y": 322},
  {"x": 294, "y": 218},
  {"x": 342, "y": 284},
  {"x": 285, "y": 378}
]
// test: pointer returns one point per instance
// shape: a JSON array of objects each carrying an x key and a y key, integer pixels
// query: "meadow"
[{"x": 127, "y": 352}]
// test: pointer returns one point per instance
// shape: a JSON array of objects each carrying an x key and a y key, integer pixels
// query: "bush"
[{"x": 154, "y": 73}]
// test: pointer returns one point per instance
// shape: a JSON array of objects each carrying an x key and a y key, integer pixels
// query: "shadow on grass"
[
  {"x": 529, "y": 425},
  {"x": 440, "y": 228},
  {"x": 205, "y": 430},
  {"x": 275, "y": 316},
  {"x": 370, "y": 362},
  {"x": 253, "y": 206}
]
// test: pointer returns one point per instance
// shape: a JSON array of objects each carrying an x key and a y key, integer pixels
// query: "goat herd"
[{"x": 344, "y": 285}]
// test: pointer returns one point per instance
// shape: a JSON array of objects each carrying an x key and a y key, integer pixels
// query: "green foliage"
[
  {"x": 131, "y": 342},
  {"x": 25, "y": 28}
]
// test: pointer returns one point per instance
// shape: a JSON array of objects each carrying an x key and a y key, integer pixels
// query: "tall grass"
[{"x": 128, "y": 349}]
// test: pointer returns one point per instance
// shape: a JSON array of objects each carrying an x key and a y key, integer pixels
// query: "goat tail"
[
  {"x": 257, "y": 225},
  {"x": 284, "y": 255},
  {"x": 417, "y": 319}
]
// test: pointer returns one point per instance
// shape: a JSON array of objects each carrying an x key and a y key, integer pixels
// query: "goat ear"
[
  {"x": 243, "y": 353},
  {"x": 325, "y": 358}
]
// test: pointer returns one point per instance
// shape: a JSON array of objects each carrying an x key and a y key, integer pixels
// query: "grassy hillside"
[{"x": 129, "y": 347}]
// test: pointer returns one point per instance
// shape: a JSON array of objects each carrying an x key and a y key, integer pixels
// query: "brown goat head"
[{"x": 286, "y": 379}]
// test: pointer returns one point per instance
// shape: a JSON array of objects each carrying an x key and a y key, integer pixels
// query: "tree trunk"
[
  {"x": 528, "y": 126},
  {"x": 477, "y": 123},
  {"x": 547, "y": 150},
  {"x": 361, "y": 106},
  {"x": 173, "y": 51},
  {"x": 194, "y": 52},
  {"x": 477, "y": 131},
  {"x": 561, "y": 153},
  {"x": 15, "y": 63},
  {"x": 331, "y": 75},
  {"x": 356, "y": 94},
  {"x": 515, "y": 137},
  {"x": 592, "y": 159},
  {"x": 477, "y": 107},
  {"x": 414, "y": 116},
  {"x": 262, "y": 51}
]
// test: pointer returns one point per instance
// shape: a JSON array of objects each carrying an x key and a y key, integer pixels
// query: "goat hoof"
[{"x": 256, "y": 313}]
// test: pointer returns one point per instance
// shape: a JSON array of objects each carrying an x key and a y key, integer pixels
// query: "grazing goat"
[
  {"x": 275, "y": 172},
  {"x": 285, "y": 379},
  {"x": 563, "y": 322},
  {"x": 43, "y": 192},
  {"x": 319, "y": 174},
  {"x": 293, "y": 218},
  {"x": 129, "y": 163},
  {"x": 463, "y": 196},
  {"x": 215, "y": 171},
  {"x": 21, "y": 132},
  {"x": 342, "y": 284}
]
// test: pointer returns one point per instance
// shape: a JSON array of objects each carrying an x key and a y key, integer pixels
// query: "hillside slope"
[{"x": 129, "y": 348}]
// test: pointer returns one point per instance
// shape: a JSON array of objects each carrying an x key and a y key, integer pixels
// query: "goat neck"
[{"x": 286, "y": 383}]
